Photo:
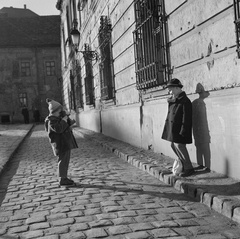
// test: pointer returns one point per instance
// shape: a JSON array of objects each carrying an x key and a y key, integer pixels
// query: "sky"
[{"x": 41, "y": 7}]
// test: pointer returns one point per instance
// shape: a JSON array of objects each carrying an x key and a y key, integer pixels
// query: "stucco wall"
[
  {"x": 222, "y": 120},
  {"x": 216, "y": 128},
  {"x": 90, "y": 120},
  {"x": 123, "y": 123},
  {"x": 203, "y": 56}
]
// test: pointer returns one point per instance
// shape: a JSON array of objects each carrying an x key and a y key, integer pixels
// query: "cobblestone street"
[{"x": 112, "y": 199}]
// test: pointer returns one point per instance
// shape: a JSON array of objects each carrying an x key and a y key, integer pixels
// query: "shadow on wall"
[
  {"x": 200, "y": 128},
  {"x": 226, "y": 166}
]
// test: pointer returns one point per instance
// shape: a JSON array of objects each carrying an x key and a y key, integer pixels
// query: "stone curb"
[
  {"x": 13, "y": 150},
  {"x": 221, "y": 204}
]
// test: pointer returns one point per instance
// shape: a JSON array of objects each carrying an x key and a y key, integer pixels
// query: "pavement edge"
[
  {"x": 10, "y": 156},
  {"x": 221, "y": 204}
]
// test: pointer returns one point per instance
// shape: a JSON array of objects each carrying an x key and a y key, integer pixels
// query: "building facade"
[
  {"x": 114, "y": 79},
  {"x": 30, "y": 63}
]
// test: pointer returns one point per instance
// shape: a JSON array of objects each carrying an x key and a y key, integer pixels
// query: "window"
[
  {"x": 106, "y": 64},
  {"x": 25, "y": 68},
  {"x": 236, "y": 4},
  {"x": 64, "y": 47},
  {"x": 50, "y": 68},
  {"x": 150, "y": 41},
  {"x": 89, "y": 76},
  {"x": 72, "y": 92},
  {"x": 79, "y": 94},
  {"x": 68, "y": 20},
  {"x": 23, "y": 99},
  {"x": 79, "y": 8},
  {"x": 76, "y": 85}
]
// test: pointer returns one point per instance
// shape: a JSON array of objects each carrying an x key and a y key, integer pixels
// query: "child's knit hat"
[{"x": 53, "y": 105}]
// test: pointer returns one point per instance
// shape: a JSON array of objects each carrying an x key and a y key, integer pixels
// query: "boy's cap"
[
  {"x": 174, "y": 83},
  {"x": 53, "y": 105}
]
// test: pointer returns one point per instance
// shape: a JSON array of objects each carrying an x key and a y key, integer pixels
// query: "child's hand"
[{"x": 65, "y": 118}]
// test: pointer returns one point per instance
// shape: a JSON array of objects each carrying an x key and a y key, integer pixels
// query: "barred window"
[
  {"x": 236, "y": 4},
  {"x": 106, "y": 64},
  {"x": 72, "y": 92},
  {"x": 25, "y": 68},
  {"x": 79, "y": 94},
  {"x": 150, "y": 40},
  {"x": 50, "y": 68},
  {"x": 89, "y": 89}
]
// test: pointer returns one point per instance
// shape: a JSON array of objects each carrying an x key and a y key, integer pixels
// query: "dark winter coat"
[
  {"x": 178, "y": 124},
  {"x": 60, "y": 135}
]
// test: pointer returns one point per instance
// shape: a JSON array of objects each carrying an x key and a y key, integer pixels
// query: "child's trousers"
[{"x": 63, "y": 163}]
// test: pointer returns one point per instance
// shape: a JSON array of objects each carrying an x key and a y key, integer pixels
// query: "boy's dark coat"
[
  {"x": 178, "y": 124},
  {"x": 60, "y": 135}
]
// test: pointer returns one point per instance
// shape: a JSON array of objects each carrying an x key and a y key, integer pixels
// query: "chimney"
[{"x": 25, "y": 6}]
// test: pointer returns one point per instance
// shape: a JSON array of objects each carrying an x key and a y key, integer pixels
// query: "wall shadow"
[{"x": 201, "y": 132}]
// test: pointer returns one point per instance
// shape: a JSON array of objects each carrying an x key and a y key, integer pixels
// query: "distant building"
[
  {"x": 17, "y": 12},
  {"x": 140, "y": 45},
  {"x": 30, "y": 62}
]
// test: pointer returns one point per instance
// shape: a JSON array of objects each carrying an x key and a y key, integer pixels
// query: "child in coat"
[{"x": 58, "y": 126}]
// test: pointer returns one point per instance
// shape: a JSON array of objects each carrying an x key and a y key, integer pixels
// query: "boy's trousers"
[
  {"x": 181, "y": 151},
  {"x": 63, "y": 162}
]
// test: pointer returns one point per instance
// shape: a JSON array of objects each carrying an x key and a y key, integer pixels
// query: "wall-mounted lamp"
[
  {"x": 75, "y": 35},
  {"x": 87, "y": 53}
]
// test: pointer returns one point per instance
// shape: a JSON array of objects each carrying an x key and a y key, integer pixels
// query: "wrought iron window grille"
[
  {"x": 106, "y": 61},
  {"x": 236, "y": 4},
  {"x": 72, "y": 91},
  {"x": 88, "y": 54},
  {"x": 89, "y": 89},
  {"x": 150, "y": 44},
  {"x": 105, "y": 31},
  {"x": 76, "y": 84}
]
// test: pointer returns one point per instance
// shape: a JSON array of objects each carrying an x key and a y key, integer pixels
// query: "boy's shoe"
[
  {"x": 187, "y": 173},
  {"x": 66, "y": 182}
]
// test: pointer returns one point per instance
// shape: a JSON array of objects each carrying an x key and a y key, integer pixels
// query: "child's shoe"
[{"x": 66, "y": 182}]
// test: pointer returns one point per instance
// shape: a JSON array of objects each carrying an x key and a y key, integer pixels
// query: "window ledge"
[
  {"x": 154, "y": 93},
  {"x": 108, "y": 103}
]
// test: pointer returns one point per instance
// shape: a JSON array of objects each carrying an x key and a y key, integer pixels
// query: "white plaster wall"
[
  {"x": 203, "y": 51},
  {"x": 123, "y": 123},
  {"x": 203, "y": 42},
  {"x": 191, "y": 14},
  {"x": 221, "y": 119},
  {"x": 223, "y": 111},
  {"x": 213, "y": 73},
  {"x": 90, "y": 120}
]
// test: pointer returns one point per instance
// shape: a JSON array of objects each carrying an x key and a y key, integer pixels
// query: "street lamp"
[
  {"x": 75, "y": 35},
  {"x": 87, "y": 53}
]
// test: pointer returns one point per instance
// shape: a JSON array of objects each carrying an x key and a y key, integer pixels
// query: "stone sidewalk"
[
  {"x": 215, "y": 190},
  {"x": 111, "y": 199},
  {"x": 218, "y": 192},
  {"x": 11, "y": 137}
]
